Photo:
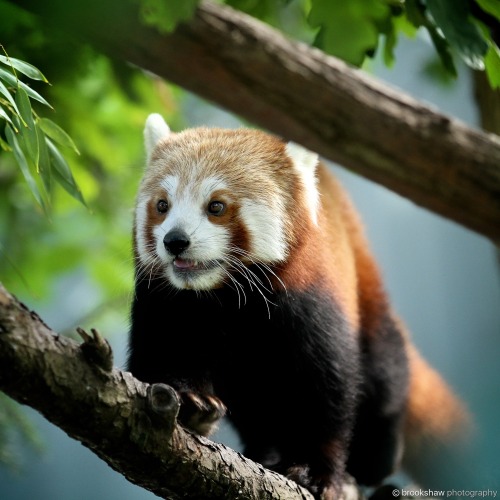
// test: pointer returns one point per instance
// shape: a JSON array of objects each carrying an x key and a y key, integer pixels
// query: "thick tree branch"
[
  {"x": 303, "y": 95},
  {"x": 130, "y": 425}
]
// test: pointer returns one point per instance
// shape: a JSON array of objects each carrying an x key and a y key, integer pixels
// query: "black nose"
[{"x": 176, "y": 241}]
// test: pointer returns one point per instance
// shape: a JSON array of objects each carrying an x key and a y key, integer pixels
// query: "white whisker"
[
  {"x": 254, "y": 281},
  {"x": 261, "y": 265},
  {"x": 237, "y": 285}
]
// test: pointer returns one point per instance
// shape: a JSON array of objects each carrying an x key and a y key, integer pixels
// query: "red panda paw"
[
  {"x": 320, "y": 486},
  {"x": 200, "y": 412}
]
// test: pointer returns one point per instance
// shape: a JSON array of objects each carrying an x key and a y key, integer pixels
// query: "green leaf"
[
  {"x": 403, "y": 24},
  {"x": 23, "y": 165},
  {"x": 453, "y": 17},
  {"x": 62, "y": 172},
  {"x": 415, "y": 13},
  {"x": 418, "y": 16},
  {"x": 4, "y": 145},
  {"x": 492, "y": 63},
  {"x": 14, "y": 82},
  {"x": 56, "y": 133},
  {"x": 490, "y": 6},
  {"x": 443, "y": 50},
  {"x": 266, "y": 10},
  {"x": 70, "y": 187},
  {"x": 391, "y": 41},
  {"x": 44, "y": 163},
  {"x": 165, "y": 15},
  {"x": 4, "y": 115},
  {"x": 29, "y": 131},
  {"x": 58, "y": 161},
  {"x": 5, "y": 92},
  {"x": 348, "y": 29},
  {"x": 25, "y": 68},
  {"x": 389, "y": 28}
]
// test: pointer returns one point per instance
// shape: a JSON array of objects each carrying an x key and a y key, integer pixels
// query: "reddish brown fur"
[{"x": 337, "y": 252}]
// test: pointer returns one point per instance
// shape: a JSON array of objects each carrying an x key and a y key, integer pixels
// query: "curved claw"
[
  {"x": 200, "y": 412},
  {"x": 96, "y": 349}
]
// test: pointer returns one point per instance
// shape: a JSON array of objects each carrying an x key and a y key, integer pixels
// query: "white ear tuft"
[
  {"x": 302, "y": 157},
  {"x": 154, "y": 130},
  {"x": 305, "y": 163}
]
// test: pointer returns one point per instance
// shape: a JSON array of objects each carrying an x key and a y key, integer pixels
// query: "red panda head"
[{"x": 214, "y": 201}]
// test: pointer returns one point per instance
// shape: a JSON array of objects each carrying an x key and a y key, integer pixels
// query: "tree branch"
[
  {"x": 130, "y": 425},
  {"x": 303, "y": 95}
]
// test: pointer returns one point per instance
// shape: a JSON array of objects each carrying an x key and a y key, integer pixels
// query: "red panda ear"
[
  {"x": 305, "y": 163},
  {"x": 154, "y": 130},
  {"x": 303, "y": 159}
]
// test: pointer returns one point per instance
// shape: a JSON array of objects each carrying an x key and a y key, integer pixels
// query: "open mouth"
[{"x": 188, "y": 265}]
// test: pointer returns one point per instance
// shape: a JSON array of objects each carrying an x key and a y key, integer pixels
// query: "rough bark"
[
  {"x": 303, "y": 95},
  {"x": 130, "y": 425}
]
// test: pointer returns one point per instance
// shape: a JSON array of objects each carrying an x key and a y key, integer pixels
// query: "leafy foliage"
[
  {"x": 102, "y": 105},
  {"x": 354, "y": 30},
  {"x": 165, "y": 15},
  {"x": 348, "y": 30},
  {"x": 459, "y": 31},
  {"x": 28, "y": 136}
]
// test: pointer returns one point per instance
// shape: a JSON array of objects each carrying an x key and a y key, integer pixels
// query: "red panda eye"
[
  {"x": 216, "y": 208},
  {"x": 162, "y": 206}
]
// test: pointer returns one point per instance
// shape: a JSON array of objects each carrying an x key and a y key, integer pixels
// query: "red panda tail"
[
  {"x": 436, "y": 419},
  {"x": 433, "y": 410}
]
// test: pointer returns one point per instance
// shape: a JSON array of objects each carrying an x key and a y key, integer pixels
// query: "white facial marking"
[
  {"x": 209, "y": 242},
  {"x": 141, "y": 218},
  {"x": 210, "y": 185},
  {"x": 265, "y": 224},
  {"x": 170, "y": 184},
  {"x": 305, "y": 163}
]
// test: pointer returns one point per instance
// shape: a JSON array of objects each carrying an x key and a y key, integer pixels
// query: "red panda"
[{"x": 256, "y": 295}]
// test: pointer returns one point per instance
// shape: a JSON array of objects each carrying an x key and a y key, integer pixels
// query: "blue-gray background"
[{"x": 444, "y": 281}]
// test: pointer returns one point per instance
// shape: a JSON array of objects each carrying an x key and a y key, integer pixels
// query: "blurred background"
[{"x": 75, "y": 267}]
